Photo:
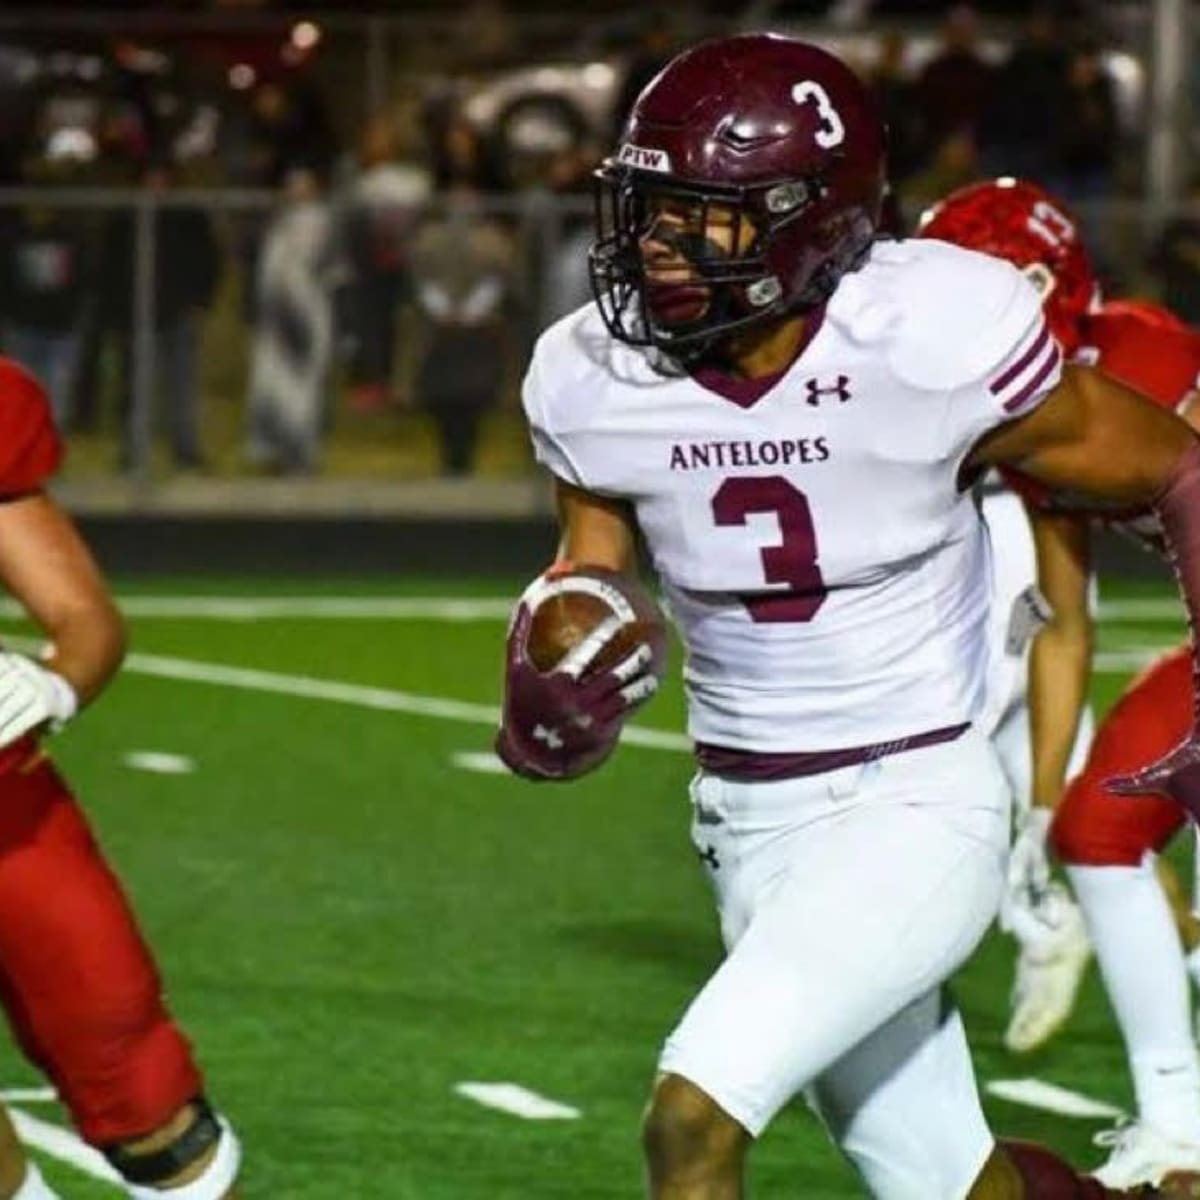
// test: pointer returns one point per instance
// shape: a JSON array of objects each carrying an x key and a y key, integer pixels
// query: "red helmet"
[
  {"x": 775, "y": 129},
  {"x": 1018, "y": 221}
]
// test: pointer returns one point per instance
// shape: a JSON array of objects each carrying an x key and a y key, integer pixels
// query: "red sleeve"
[
  {"x": 30, "y": 449},
  {"x": 1157, "y": 360}
]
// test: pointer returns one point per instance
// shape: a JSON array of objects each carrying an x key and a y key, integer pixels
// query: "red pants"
[
  {"x": 1093, "y": 826},
  {"x": 77, "y": 981}
]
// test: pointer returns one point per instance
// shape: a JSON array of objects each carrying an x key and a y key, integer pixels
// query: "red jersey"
[
  {"x": 30, "y": 449},
  {"x": 1160, "y": 360},
  {"x": 1154, "y": 354}
]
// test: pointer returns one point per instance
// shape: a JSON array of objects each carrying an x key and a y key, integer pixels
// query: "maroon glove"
[
  {"x": 1178, "y": 773},
  {"x": 560, "y": 724}
]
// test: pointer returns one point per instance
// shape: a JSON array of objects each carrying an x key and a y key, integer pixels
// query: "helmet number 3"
[{"x": 831, "y": 132}]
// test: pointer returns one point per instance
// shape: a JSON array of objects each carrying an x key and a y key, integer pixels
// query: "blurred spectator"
[
  {"x": 187, "y": 266},
  {"x": 896, "y": 94},
  {"x": 381, "y": 208},
  {"x": 1017, "y": 136},
  {"x": 1176, "y": 258},
  {"x": 1086, "y": 133},
  {"x": 655, "y": 47},
  {"x": 955, "y": 163},
  {"x": 456, "y": 153},
  {"x": 954, "y": 89},
  {"x": 186, "y": 269},
  {"x": 565, "y": 282},
  {"x": 464, "y": 285},
  {"x": 287, "y": 128},
  {"x": 293, "y": 338},
  {"x": 46, "y": 269}
]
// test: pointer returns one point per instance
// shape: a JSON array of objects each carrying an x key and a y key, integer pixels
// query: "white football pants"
[{"x": 846, "y": 899}]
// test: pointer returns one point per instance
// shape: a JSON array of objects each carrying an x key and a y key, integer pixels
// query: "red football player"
[
  {"x": 77, "y": 981},
  {"x": 1107, "y": 841}
]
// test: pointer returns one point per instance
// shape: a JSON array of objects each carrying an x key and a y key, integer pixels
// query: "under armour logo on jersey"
[
  {"x": 709, "y": 855},
  {"x": 816, "y": 389},
  {"x": 551, "y": 737}
]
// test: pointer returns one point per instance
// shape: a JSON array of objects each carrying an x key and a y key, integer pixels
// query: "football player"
[
  {"x": 77, "y": 981},
  {"x": 792, "y": 414},
  {"x": 1107, "y": 843}
]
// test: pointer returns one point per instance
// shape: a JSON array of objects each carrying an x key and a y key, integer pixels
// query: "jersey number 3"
[{"x": 793, "y": 561}]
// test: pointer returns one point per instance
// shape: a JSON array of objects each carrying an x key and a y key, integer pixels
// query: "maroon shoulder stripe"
[
  {"x": 998, "y": 385},
  {"x": 1031, "y": 388}
]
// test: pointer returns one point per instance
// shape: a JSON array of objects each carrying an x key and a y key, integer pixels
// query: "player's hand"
[
  {"x": 1028, "y": 866},
  {"x": 560, "y": 724},
  {"x": 1176, "y": 775},
  {"x": 31, "y": 696}
]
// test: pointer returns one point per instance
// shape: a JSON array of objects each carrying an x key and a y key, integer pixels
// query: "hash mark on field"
[
  {"x": 517, "y": 1100},
  {"x": 483, "y": 761},
  {"x": 157, "y": 762},
  {"x": 1037, "y": 1093},
  {"x": 62, "y": 1144}
]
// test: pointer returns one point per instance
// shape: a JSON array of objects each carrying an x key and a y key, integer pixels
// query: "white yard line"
[
  {"x": 1129, "y": 658},
  {"x": 28, "y": 1095},
  {"x": 1148, "y": 608},
  {"x": 327, "y": 608},
  {"x": 1037, "y": 1093},
  {"x": 438, "y": 608},
  {"x": 360, "y": 695},
  {"x": 518, "y": 1101},
  {"x": 62, "y": 1144}
]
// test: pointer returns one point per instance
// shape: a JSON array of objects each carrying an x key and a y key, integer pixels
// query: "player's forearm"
[
  {"x": 1059, "y": 667},
  {"x": 87, "y": 647}
]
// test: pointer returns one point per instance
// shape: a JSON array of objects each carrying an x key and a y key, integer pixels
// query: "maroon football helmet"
[{"x": 771, "y": 128}]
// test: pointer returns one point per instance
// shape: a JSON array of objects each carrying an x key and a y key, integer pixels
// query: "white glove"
[
  {"x": 1028, "y": 866},
  {"x": 31, "y": 695}
]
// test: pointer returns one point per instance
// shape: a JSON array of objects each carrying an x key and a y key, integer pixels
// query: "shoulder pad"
[{"x": 947, "y": 315}]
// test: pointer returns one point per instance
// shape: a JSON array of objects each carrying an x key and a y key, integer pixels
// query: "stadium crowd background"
[{"x": 243, "y": 242}]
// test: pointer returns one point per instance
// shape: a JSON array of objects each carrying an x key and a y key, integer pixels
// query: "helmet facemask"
[{"x": 716, "y": 289}]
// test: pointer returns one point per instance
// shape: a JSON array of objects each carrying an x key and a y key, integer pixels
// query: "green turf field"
[{"x": 351, "y": 924}]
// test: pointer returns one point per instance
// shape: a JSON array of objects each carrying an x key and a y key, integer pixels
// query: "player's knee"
[
  {"x": 686, "y": 1130},
  {"x": 194, "y": 1156}
]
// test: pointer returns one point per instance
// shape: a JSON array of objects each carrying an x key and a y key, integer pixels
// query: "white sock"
[
  {"x": 34, "y": 1187},
  {"x": 1141, "y": 962}
]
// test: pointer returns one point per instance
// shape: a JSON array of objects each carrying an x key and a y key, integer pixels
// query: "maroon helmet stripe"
[
  {"x": 1032, "y": 387},
  {"x": 998, "y": 385}
]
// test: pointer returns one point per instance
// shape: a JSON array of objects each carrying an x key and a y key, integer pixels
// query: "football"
[{"x": 568, "y": 605}]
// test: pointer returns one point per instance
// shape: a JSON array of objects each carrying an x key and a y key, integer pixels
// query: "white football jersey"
[{"x": 829, "y": 578}]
